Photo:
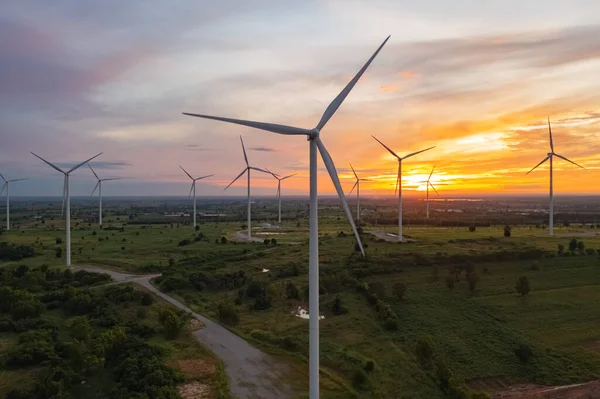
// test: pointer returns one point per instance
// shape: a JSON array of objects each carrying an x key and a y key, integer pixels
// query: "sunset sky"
[{"x": 476, "y": 79}]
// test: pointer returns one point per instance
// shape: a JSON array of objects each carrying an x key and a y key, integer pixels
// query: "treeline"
[{"x": 12, "y": 252}]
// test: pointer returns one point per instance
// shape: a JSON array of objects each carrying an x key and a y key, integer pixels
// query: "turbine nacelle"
[{"x": 314, "y": 133}]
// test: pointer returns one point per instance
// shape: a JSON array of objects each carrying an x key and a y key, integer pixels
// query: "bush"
[
  {"x": 522, "y": 285},
  {"x": 184, "y": 242},
  {"x": 369, "y": 366},
  {"x": 390, "y": 324},
  {"x": 450, "y": 282},
  {"x": 473, "y": 279},
  {"x": 359, "y": 379},
  {"x": 223, "y": 240},
  {"x": 197, "y": 228},
  {"x": 338, "y": 308},
  {"x": 561, "y": 249},
  {"x": 424, "y": 351},
  {"x": 507, "y": 230},
  {"x": 59, "y": 241},
  {"x": 472, "y": 228},
  {"x": 573, "y": 245},
  {"x": 399, "y": 290},
  {"x": 267, "y": 241},
  {"x": 291, "y": 292},
  {"x": 142, "y": 313},
  {"x": 147, "y": 299},
  {"x": 580, "y": 246},
  {"x": 524, "y": 353},
  {"x": 228, "y": 315},
  {"x": 590, "y": 251},
  {"x": 172, "y": 323},
  {"x": 58, "y": 252}
]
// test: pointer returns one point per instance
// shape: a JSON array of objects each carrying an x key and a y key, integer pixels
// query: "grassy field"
[{"x": 473, "y": 333}]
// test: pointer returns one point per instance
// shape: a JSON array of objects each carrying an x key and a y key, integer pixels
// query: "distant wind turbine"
[
  {"x": 357, "y": 186},
  {"x": 428, "y": 181},
  {"x": 67, "y": 197},
  {"x": 99, "y": 187},
  {"x": 5, "y": 186},
  {"x": 193, "y": 188},
  {"x": 279, "y": 180},
  {"x": 549, "y": 157},
  {"x": 399, "y": 181},
  {"x": 247, "y": 170},
  {"x": 315, "y": 145}
]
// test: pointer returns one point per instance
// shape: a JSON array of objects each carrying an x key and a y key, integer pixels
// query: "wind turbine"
[
  {"x": 357, "y": 186},
  {"x": 315, "y": 145},
  {"x": 247, "y": 170},
  {"x": 99, "y": 187},
  {"x": 5, "y": 186},
  {"x": 193, "y": 188},
  {"x": 549, "y": 157},
  {"x": 67, "y": 196},
  {"x": 279, "y": 180},
  {"x": 428, "y": 181},
  {"x": 399, "y": 181}
]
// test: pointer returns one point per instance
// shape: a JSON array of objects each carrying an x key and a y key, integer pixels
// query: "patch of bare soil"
[
  {"x": 588, "y": 390},
  {"x": 195, "y": 390},
  {"x": 594, "y": 345},
  {"x": 382, "y": 235},
  {"x": 195, "y": 324},
  {"x": 195, "y": 368}
]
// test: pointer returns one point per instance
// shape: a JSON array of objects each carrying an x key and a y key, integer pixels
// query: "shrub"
[
  {"x": 450, "y": 282},
  {"x": 522, "y": 285},
  {"x": 58, "y": 252},
  {"x": 59, "y": 241},
  {"x": 580, "y": 246},
  {"x": 472, "y": 228},
  {"x": 590, "y": 251},
  {"x": 573, "y": 245},
  {"x": 197, "y": 228},
  {"x": 524, "y": 353},
  {"x": 291, "y": 292},
  {"x": 424, "y": 351},
  {"x": 399, "y": 290},
  {"x": 228, "y": 314},
  {"x": 338, "y": 308},
  {"x": 273, "y": 241},
  {"x": 147, "y": 299},
  {"x": 223, "y": 240},
  {"x": 171, "y": 262},
  {"x": 507, "y": 230},
  {"x": 184, "y": 242},
  {"x": 473, "y": 279},
  {"x": 267, "y": 241},
  {"x": 142, "y": 313},
  {"x": 390, "y": 324},
  {"x": 377, "y": 288},
  {"x": 369, "y": 366},
  {"x": 359, "y": 379},
  {"x": 172, "y": 323},
  {"x": 561, "y": 249}
]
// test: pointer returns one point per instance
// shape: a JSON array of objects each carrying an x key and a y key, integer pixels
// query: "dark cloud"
[{"x": 263, "y": 149}]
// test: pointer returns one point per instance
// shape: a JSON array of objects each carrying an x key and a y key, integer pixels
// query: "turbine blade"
[
  {"x": 54, "y": 166},
  {"x": 429, "y": 178},
  {"x": 335, "y": 104},
  {"x": 535, "y": 167},
  {"x": 336, "y": 182},
  {"x": 14, "y": 180},
  {"x": 353, "y": 171},
  {"x": 3, "y": 187},
  {"x": 353, "y": 187},
  {"x": 2, "y": 177},
  {"x": 397, "y": 180},
  {"x": 204, "y": 177},
  {"x": 433, "y": 188},
  {"x": 259, "y": 169},
  {"x": 185, "y": 171},
  {"x": 386, "y": 147},
  {"x": 418, "y": 152},
  {"x": 288, "y": 176},
  {"x": 95, "y": 187},
  {"x": 191, "y": 188},
  {"x": 112, "y": 178},
  {"x": 94, "y": 172},
  {"x": 269, "y": 127},
  {"x": 244, "y": 149},
  {"x": 550, "y": 131},
  {"x": 240, "y": 175},
  {"x": 62, "y": 209},
  {"x": 568, "y": 160},
  {"x": 83, "y": 163}
]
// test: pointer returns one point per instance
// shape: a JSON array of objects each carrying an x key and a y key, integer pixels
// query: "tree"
[
  {"x": 147, "y": 299},
  {"x": 273, "y": 241},
  {"x": 223, "y": 240},
  {"x": 522, "y": 285},
  {"x": 472, "y": 228},
  {"x": 561, "y": 249},
  {"x": 197, "y": 228},
  {"x": 524, "y": 353},
  {"x": 399, "y": 290},
  {"x": 172, "y": 323},
  {"x": 573, "y": 245},
  {"x": 291, "y": 291},
  {"x": 267, "y": 241},
  {"x": 80, "y": 329},
  {"x": 59, "y": 241},
  {"x": 507, "y": 230},
  {"x": 424, "y": 351},
  {"x": 581, "y": 246},
  {"x": 228, "y": 314},
  {"x": 473, "y": 279},
  {"x": 58, "y": 252}
]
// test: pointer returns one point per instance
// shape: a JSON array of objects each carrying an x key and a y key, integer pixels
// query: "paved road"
[{"x": 252, "y": 373}]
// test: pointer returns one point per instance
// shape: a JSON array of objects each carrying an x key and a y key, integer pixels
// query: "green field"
[{"x": 369, "y": 349}]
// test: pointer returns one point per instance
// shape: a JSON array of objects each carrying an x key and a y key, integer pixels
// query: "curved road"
[{"x": 252, "y": 373}]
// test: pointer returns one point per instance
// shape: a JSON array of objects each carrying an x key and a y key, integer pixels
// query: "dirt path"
[
  {"x": 588, "y": 390},
  {"x": 252, "y": 373},
  {"x": 382, "y": 235}
]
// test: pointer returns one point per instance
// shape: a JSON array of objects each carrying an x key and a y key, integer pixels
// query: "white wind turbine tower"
[
  {"x": 5, "y": 186},
  {"x": 315, "y": 145},
  {"x": 428, "y": 181},
  {"x": 99, "y": 187},
  {"x": 193, "y": 188},
  {"x": 549, "y": 157},
  {"x": 67, "y": 196},
  {"x": 357, "y": 186},
  {"x": 279, "y": 180},
  {"x": 247, "y": 170},
  {"x": 399, "y": 181}
]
